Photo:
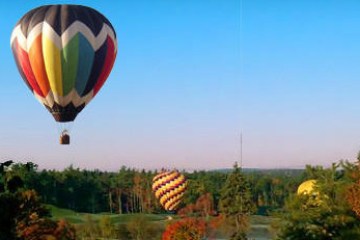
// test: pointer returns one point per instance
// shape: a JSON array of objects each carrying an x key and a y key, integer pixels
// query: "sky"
[{"x": 191, "y": 77}]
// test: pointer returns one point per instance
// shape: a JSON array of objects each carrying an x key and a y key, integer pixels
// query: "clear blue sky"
[{"x": 190, "y": 76}]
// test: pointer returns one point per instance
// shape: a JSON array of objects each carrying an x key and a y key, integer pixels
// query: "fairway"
[
  {"x": 259, "y": 225},
  {"x": 79, "y": 218}
]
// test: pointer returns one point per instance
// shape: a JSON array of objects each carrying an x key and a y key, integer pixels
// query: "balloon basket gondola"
[{"x": 64, "y": 139}]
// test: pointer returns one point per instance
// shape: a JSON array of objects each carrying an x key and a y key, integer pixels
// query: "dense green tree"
[
  {"x": 8, "y": 212},
  {"x": 270, "y": 188},
  {"x": 236, "y": 202},
  {"x": 324, "y": 214},
  {"x": 201, "y": 183},
  {"x": 22, "y": 215},
  {"x": 122, "y": 188}
]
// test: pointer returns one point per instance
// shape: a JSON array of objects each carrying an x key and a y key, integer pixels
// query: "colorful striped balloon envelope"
[
  {"x": 64, "y": 53},
  {"x": 169, "y": 188}
]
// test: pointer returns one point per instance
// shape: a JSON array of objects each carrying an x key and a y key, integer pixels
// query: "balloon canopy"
[
  {"x": 64, "y": 53},
  {"x": 169, "y": 188},
  {"x": 306, "y": 187}
]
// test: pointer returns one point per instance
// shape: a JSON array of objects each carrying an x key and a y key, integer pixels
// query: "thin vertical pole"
[{"x": 241, "y": 150}]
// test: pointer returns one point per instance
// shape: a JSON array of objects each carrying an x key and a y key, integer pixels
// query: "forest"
[
  {"x": 129, "y": 190},
  {"x": 218, "y": 199}
]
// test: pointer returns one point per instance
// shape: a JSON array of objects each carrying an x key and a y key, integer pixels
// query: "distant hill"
[{"x": 269, "y": 171}]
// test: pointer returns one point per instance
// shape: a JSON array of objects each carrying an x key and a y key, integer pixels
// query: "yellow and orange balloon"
[{"x": 169, "y": 188}]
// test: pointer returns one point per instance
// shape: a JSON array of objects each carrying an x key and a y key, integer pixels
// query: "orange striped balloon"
[{"x": 169, "y": 188}]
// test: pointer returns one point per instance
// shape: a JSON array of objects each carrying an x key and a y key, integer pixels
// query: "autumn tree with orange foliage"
[
  {"x": 22, "y": 215},
  {"x": 33, "y": 222},
  {"x": 353, "y": 191},
  {"x": 204, "y": 207},
  {"x": 187, "y": 228},
  {"x": 197, "y": 221},
  {"x": 353, "y": 197}
]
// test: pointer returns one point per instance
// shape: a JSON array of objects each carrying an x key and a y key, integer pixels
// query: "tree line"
[
  {"x": 212, "y": 199},
  {"x": 129, "y": 190}
]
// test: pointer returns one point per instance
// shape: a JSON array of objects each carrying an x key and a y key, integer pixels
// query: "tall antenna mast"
[{"x": 241, "y": 150}]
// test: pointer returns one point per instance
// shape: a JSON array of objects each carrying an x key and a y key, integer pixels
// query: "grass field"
[
  {"x": 260, "y": 228},
  {"x": 78, "y": 218}
]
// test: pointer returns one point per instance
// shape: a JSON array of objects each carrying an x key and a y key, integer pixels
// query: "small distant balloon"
[
  {"x": 312, "y": 196},
  {"x": 169, "y": 188},
  {"x": 64, "y": 53},
  {"x": 307, "y": 187}
]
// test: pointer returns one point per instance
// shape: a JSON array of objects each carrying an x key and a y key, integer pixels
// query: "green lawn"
[
  {"x": 76, "y": 218},
  {"x": 260, "y": 226}
]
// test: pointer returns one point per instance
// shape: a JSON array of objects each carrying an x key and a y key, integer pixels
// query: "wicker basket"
[{"x": 64, "y": 139}]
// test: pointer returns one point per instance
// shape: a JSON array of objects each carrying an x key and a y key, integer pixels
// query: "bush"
[{"x": 140, "y": 228}]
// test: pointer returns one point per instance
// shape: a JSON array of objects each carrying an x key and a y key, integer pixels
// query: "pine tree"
[
  {"x": 236, "y": 203},
  {"x": 325, "y": 215}
]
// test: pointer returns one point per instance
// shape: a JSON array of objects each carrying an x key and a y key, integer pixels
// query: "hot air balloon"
[
  {"x": 169, "y": 188},
  {"x": 64, "y": 54},
  {"x": 307, "y": 187},
  {"x": 313, "y": 198}
]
